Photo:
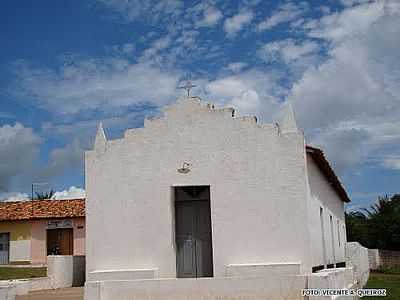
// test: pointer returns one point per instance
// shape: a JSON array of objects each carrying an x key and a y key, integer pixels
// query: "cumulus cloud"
[
  {"x": 211, "y": 16},
  {"x": 250, "y": 92},
  {"x": 392, "y": 163},
  {"x": 351, "y": 22},
  {"x": 99, "y": 84},
  {"x": 288, "y": 50},
  {"x": 236, "y": 67},
  {"x": 287, "y": 12},
  {"x": 13, "y": 197},
  {"x": 355, "y": 93},
  {"x": 237, "y": 22},
  {"x": 354, "y": 2},
  {"x": 19, "y": 147},
  {"x": 62, "y": 159},
  {"x": 151, "y": 10},
  {"x": 71, "y": 193}
]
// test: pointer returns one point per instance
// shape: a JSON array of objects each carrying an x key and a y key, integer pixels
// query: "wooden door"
[
  {"x": 193, "y": 237},
  {"x": 60, "y": 241}
]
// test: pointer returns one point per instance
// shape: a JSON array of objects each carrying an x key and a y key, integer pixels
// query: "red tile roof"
[
  {"x": 42, "y": 209},
  {"x": 323, "y": 164}
]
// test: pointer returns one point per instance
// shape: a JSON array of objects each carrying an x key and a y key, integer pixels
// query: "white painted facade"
[
  {"x": 265, "y": 197},
  {"x": 324, "y": 199}
]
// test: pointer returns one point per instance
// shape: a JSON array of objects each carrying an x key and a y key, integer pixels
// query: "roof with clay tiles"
[{"x": 42, "y": 209}]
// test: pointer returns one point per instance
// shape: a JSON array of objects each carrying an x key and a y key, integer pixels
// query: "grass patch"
[
  {"x": 393, "y": 270},
  {"x": 390, "y": 282},
  {"x": 20, "y": 273}
]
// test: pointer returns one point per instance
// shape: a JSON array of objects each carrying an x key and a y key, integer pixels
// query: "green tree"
[
  {"x": 357, "y": 227},
  {"x": 45, "y": 195},
  {"x": 377, "y": 226}
]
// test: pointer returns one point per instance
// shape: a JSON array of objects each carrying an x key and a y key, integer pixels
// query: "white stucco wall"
[
  {"x": 257, "y": 183},
  {"x": 322, "y": 195}
]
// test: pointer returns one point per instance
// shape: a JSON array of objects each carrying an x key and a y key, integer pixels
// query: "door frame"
[{"x": 173, "y": 211}]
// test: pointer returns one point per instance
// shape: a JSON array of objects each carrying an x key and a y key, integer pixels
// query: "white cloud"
[
  {"x": 151, "y": 10},
  {"x": 288, "y": 50},
  {"x": 392, "y": 163},
  {"x": 250, "y": 92},
  {"x": 13, "y": 197},
  {"x": 19, "y": 147},
  {"x": 69, "y": 157},
  {"x": 236, "y": 23},
  {"x": 99, "y": 84},
  {"x": 352, "y": 22},
  {"x": 287, "y": 12},
  {"x": 236, "y": 67},
  {"x": 350, "y": 103},
  {"x": 211, "y": 17},
  {"x": 354, "y": 2},
  {"x": 71, "y": 193},
  {"x": 157, "y": 46}
]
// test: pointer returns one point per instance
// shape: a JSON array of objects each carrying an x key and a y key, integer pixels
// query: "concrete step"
[{"x": 59, "y": 294}]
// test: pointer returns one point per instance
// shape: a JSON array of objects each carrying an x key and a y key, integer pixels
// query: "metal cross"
[{"x": 188, "y": 86}]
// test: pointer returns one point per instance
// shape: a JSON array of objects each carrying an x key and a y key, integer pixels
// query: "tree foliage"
[
  {"x": 377, "y": 227},
  {"x": 44, "y": 195}
]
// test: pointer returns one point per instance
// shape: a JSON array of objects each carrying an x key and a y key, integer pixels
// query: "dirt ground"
[{"x": 60, "y": 294}]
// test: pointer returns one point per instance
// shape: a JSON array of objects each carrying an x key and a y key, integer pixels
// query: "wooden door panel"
[
  {"x": 60, "y": 241},
  {"x": 193, "y": 233}
]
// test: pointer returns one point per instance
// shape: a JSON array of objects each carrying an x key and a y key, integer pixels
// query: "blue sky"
[{"x": 66, "y": 65}]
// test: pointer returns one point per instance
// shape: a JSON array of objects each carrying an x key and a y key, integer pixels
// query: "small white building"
[{"x": 202, "y": 193}]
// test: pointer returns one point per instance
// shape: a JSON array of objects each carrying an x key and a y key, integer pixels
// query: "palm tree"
[
  {"x": 377, "y": 226},
  {"x": 45, "y": 195}
]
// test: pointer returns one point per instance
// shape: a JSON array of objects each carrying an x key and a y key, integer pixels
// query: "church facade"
[{"x": 200, "y": 192}]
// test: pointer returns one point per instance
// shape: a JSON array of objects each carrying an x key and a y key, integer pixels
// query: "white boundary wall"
[
  {"x": 232, "y": 288},
  {"x": 61, "y": 272},
  {"x": 357, "y": 257}
]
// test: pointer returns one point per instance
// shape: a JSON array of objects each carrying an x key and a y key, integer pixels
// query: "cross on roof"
[{"x": 188, "y": 86}]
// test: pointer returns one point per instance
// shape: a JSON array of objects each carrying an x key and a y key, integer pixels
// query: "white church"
[{"x": 202, "y": 204}]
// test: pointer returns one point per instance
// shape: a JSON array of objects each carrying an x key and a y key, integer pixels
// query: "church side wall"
[
  {"x": 257, "y": 185},
  {"x": 323, "y": 196}
]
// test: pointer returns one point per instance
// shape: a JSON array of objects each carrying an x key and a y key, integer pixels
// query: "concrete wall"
[
  {"x": 66, "y": 270},
  {"x": 268, "y": 282},
  {"x": 357, "y": 257},
  {"x": 63, "y": 272},
  {"x": 28, "y": 239},
  {"x": 256, "y": 177},
  {"x": 79, "y": 236},
  {"x": 39, "y": 245},
  {"x": 228, "y": 288},
  {"x": 60, "y": 270},
  {"x": 20, "y": 240},
  {"x": 374, "y": 259},
  {"x": 7, "y": 293},
  {"x": 383, "y": 259},
  {"x": 322, "y": 195}
]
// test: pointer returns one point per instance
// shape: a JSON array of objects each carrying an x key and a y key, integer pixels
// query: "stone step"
[{"x": 59, "y": 294}]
